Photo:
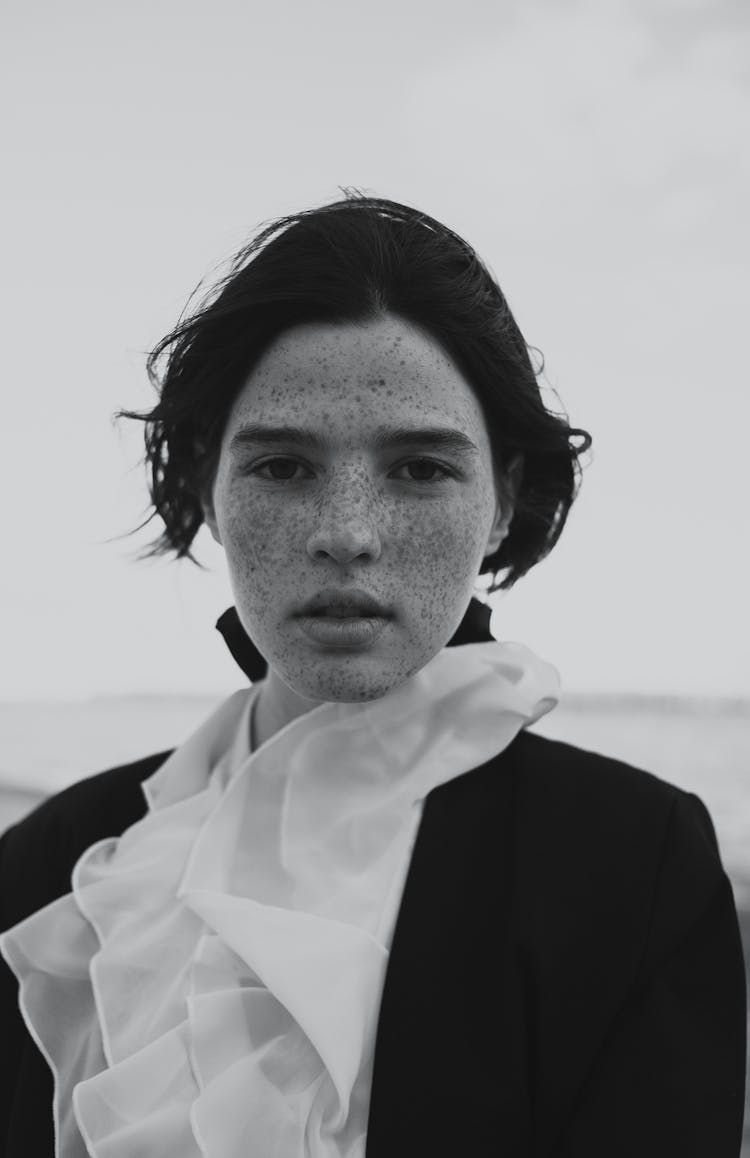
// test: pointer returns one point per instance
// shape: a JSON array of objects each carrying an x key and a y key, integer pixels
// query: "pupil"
[
  {"x": 282, "y": 467},
  {"x": 426, "y": 467}
]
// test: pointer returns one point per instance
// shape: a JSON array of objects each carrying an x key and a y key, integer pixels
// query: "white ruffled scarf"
[{"x": 211, "y": 985}]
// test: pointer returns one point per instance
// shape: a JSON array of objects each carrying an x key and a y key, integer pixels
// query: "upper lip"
[{"x": 343, "y": 603}]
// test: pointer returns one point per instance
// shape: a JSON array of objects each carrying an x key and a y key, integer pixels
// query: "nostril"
[{"x": 344, "y": 542}]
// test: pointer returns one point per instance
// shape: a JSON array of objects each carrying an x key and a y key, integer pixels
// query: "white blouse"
[{"x": 213, "y": 980}]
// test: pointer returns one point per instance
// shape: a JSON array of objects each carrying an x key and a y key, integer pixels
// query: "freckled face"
[{"x": 346, "y": 511}]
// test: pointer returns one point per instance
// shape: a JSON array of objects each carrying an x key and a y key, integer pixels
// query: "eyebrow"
[{"x": 386, "y": 437}]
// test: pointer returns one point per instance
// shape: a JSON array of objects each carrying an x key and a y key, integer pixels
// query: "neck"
[{"x": 276, "y": 706}]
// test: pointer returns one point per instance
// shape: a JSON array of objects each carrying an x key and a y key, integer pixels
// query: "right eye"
[{"x": 281, "y": 469}]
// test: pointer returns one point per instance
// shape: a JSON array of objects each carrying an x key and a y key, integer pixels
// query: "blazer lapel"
[{"x": 451, "y": 1067}]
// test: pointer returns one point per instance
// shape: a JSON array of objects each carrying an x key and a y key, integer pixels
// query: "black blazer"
[{"x": 566, "y": 976}]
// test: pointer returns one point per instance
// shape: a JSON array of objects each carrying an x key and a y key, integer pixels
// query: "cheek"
[
  {"x": 449, "y": 534},
  {"x": 259, "y": 537},
  {"x": 435, "y": 555}
]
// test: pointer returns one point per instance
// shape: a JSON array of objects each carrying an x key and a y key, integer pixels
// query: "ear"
[
  {"x": 209, "y": 513},
  {"x": 506, "y": 505},
  {"x": 204, "y": 482}
]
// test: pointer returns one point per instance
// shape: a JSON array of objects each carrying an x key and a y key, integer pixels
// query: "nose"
[{"x": 346, "y": 524}]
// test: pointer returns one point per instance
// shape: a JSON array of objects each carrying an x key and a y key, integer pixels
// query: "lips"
[
  {"x": 338, "y": 611},
  {"x": 344, "y": 605}
]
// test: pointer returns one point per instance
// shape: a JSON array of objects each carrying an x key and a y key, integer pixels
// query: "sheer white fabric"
[{"x": 211, "y": 985}]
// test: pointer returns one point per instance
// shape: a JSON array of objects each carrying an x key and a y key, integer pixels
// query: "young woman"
[{"x": 362, "y": 910}]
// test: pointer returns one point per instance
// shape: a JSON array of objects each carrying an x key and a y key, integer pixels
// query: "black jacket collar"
[{"x": 473, "y": 628}]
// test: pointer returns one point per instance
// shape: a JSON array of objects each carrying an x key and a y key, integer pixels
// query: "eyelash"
[{"x": 446, "y": 471}]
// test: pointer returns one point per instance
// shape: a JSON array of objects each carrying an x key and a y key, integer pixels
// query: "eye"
[
  {"x": 281, "y": 469},
  {"x": 422, "y": 469}
]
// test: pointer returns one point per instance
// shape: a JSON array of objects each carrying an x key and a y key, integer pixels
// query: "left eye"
[{"x": 423, "y": 467}]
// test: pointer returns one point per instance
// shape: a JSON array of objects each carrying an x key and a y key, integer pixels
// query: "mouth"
[
  {"x": 344, "y": 605},
  {"x": 335, "y": 611},
  {"x": 345, "y": 632},
  {"x": 345, "y": 620}
]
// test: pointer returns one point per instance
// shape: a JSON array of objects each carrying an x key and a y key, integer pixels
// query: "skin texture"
[{"x": 351, "y": 514}]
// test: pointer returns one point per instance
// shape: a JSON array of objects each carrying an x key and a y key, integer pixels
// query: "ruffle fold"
[{"x": 213, "y": 980}]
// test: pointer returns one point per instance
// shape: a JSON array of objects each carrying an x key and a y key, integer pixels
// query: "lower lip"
[{"x": 353, "y": 631}]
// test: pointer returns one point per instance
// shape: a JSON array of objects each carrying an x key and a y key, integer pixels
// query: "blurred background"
[{"x": 595, "y": 152}]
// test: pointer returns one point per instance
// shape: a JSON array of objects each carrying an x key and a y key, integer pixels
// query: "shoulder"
[
  {"x": 585, "y": 829},
  {"x": 601, "y": 799},
  {"x": 38, "y": 853},
  {"x": 586, "y": 783},
  {"x": 596, "y": 835},
  {"x": 580, "y": 769},
  {"x": 563, "y": 780}
]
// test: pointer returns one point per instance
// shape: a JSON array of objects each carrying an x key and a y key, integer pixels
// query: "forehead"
[{"x": 353, "y": 374}]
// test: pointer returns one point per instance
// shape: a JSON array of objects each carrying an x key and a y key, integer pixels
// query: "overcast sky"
[{"x": 594, "y": 152}]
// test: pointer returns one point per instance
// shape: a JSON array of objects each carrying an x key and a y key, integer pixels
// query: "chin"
[{"x": 350, "y": 684}]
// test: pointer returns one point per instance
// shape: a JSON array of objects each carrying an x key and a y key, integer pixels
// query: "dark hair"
[{"x": 349, "y": 261}]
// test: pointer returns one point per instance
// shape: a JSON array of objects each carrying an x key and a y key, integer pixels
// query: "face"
[{"x": 361, "y": 498}]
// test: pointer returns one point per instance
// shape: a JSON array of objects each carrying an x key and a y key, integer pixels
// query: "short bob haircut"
[{"x": 351, "y": 261}]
